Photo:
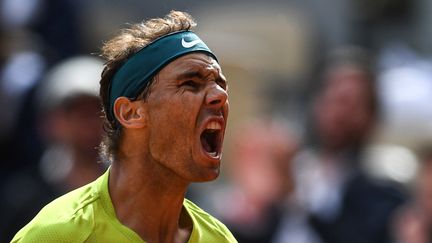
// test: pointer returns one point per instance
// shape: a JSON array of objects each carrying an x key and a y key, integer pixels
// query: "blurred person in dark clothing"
[
  {"x": 71, "y": 127},
  {"x": 413, "y": 221},
  {"x": 34, "y": 36},
  {"x": 342, "y": 202}
]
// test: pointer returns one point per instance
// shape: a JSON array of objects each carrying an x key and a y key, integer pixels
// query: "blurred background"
[{"x": 330, "y": 131}]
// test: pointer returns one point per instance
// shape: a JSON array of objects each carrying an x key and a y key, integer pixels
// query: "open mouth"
[{"x": 211, "y": 138}]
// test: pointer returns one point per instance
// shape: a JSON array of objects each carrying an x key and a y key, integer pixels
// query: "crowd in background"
[{"x": 329, "y": 138}]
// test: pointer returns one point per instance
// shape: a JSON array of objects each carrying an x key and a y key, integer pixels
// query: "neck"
[{"x": 148, "y": 198}]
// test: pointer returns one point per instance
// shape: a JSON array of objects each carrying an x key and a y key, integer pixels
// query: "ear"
[{"x": 131, "y": 114}]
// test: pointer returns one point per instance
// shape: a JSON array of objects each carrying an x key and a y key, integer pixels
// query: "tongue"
[{"x": 205, "y": 143}]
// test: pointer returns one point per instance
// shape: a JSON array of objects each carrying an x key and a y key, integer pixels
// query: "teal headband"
[{"x": 131, "y": 79}]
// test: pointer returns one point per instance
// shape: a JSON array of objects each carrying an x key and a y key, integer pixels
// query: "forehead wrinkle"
[
  {"x": 212, "y": 69},
  {"x": 202, "y": 67}
]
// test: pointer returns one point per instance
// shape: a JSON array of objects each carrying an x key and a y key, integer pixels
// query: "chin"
[{"x": 208, "y": 176}]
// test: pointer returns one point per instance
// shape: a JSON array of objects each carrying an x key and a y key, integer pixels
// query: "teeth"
[{"x": 214, "y": 125}]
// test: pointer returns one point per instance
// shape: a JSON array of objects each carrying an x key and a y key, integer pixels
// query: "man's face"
[
  {"x": 187, "y": 114},
  {"x": 343, "y": 112}
]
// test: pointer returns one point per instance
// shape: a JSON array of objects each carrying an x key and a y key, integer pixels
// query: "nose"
[{"x": 216, "y": 96}]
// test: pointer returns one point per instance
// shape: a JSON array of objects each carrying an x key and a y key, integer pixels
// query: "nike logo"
[{"x": 186, "y": 44}]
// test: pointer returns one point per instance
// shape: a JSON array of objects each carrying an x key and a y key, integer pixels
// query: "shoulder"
[
  {"x": 384, "y": 198},
  {"x": 374, "y": 188},
  {"x": 201, "y": 215},
  {"x": 60, "y": 231},
  {"x": 69, "y": 218},
  {"x": 206, "y": 222}
]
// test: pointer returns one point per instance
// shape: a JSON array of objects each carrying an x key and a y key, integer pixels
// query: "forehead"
[
  {"x": 198, "y": 62},
  {"x": 346, "y": 79}
]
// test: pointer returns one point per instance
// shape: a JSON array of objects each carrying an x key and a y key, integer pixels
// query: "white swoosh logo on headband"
[{"x": 186, "y": 44}]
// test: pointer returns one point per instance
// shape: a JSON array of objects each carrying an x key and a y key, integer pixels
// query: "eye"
[
  {"x": 191, "y": 84},
  {"x": 222, "y": 83}
]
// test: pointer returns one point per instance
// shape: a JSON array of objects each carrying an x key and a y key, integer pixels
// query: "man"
[
  {"x": 343, "y": 203},
  {"x": 166, "y": 105}
]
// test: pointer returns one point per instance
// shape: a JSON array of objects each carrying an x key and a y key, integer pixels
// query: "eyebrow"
[
  {"x": 190, "y": 74},
  {"x": 198, "y": 74}
]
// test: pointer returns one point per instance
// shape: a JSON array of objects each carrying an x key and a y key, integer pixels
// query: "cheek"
[
  {"x": 172, "y": 125},
  {"x": 172, "y": 116}
]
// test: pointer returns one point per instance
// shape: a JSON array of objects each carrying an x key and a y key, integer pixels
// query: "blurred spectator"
[
  {"x": 342, "y": 202},
  {"x": 23, "y": 65},
  {"x": 71, "y": 127},
  {"x": 34, "y": 35},
  {"x": 260, "y": 180},
  {"x": 413, "y": 222},
  {"x": 70, "y": 123}
]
